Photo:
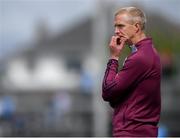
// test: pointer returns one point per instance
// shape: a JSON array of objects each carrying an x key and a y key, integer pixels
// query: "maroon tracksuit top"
[{"x": 134, "y": 92}]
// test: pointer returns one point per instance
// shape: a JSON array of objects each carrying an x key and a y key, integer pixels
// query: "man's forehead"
[
  {"x": 119, "y": 23},
  {"x": 121, "y": 19}
]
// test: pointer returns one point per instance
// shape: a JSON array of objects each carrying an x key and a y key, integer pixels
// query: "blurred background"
[{"x": 53, "y": 55}]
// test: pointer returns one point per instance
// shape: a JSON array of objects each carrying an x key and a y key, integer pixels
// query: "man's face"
[{"x": 123, "y": 27}]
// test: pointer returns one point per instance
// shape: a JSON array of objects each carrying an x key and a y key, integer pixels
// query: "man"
[{"x": 134, "y": 91}]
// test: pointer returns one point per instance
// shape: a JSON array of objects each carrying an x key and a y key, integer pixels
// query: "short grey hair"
[{"x": 136, "y": 15}]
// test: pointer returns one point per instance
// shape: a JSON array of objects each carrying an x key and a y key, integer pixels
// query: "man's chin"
[{"x": 128, "y": 42}]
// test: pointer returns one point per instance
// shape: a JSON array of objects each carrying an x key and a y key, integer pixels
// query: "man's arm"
[{"x": 115, "y": 83}]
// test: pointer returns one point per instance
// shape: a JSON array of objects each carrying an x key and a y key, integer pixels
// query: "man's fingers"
[
  {"x": 123, "y": 40},
  {"x": 115, "y": 49},
  {"x": 122, "y": 44},
  {"x": 114, "y": 41},
  {"x": 111, "y": 42}
]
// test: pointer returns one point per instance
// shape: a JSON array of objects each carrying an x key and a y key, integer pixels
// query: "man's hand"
[{"x": 115, "y": 49}]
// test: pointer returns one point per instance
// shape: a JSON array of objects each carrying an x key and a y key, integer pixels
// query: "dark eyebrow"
[{"x": 119, "y": 25}]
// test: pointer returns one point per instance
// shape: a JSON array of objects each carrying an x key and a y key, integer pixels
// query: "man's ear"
[{"x": 138, "y": 27}]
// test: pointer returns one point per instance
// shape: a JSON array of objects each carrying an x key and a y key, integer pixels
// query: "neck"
[{"x": 138, "y": 38}]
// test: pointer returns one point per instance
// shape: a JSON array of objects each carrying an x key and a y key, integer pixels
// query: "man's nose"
[{"x": 117, "y": 31}]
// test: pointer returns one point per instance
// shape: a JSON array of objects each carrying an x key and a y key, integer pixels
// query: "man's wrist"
[{"x": 114, "y": 57}]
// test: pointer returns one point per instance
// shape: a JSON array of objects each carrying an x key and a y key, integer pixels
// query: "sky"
[{"x": 18, "y": 17}]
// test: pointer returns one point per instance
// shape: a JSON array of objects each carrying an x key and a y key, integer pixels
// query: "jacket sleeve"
[{"x": 115, "y": 83}]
